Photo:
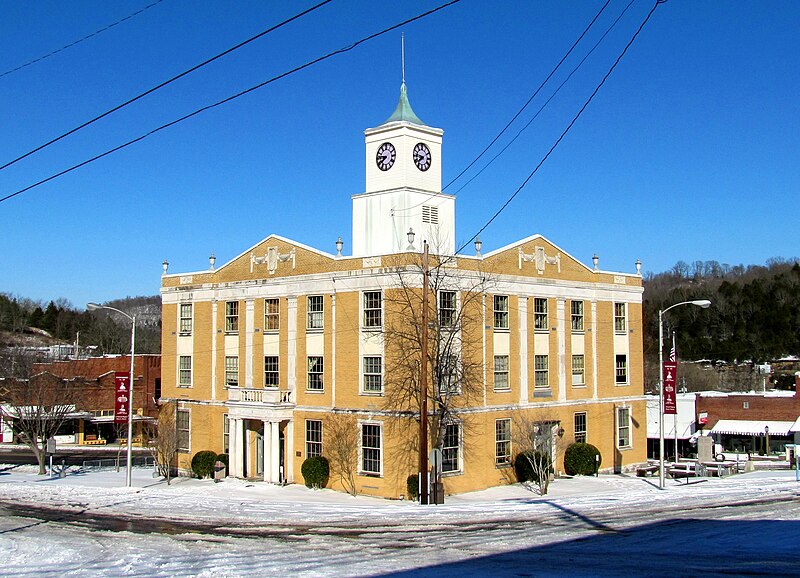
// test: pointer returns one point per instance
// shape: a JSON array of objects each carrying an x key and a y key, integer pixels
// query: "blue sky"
[{"x": 689, "y": 151}]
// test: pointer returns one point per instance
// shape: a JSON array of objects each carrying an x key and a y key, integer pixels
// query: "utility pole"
[{"x": 424, "y": 483}]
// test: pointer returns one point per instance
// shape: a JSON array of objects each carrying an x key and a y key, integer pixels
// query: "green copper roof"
[{"x": 403, "y": 112}]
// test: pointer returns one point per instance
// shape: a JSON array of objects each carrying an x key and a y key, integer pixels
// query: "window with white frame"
[
  {"x": 185, "y": 370},
  {"x": 373, "y": 375},
  {"x": 226, "y": 433},
  {"x": 541, "y": 371},
  {"x": 578, "y": 370},
  {"x": 231, "y": 371},
  {"x": 272, "y": 320},
  {"x": 313, "y": 438},
  {"x": 447, "y": 371},
  {"x": 579, "y": 421},
  {"x": 315, "y": 373},
  {"x": 371, "y": 449},
  {"x": 185, "y": 327},
  {"x": 576, "y": 309},
  {"x": 231, "y": 316},
  {"x": 315, "y": 311},
  {"x": 501, "y": 311},
  {"x": 271, "y": 371},
  {"x": 182, "y": 430},
  {"x": 540, "y": 322},
  {"x": 621, "y": 369},
  {"x": 623, "y": 427},
  {"x": 502, "y": 442},
  {"x": 447, "y": 308},
  {"x": 620, "y": 318},
  {"x": 451, "y": 448},
  {"x": 373, "y": 317},
  {"x": 501, "y": 372}
]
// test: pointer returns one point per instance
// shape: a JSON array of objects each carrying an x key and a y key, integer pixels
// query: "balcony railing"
[{"x": 269, "y": 395}]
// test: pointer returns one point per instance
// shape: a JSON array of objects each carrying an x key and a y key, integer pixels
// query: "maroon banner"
[
  {"x": 670, "y": 373},
  {"x": 121, "y": 396}
]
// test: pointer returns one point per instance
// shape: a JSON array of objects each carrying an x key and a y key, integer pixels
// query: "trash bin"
[{"x": 220, "y": 471}]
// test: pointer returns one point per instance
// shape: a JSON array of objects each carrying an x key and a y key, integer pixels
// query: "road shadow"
[{"x": 673, "y": 547}]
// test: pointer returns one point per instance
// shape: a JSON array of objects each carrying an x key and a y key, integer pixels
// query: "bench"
[
  {"x": 94, "y": 442},
  {"x": 648, "y": 470}
]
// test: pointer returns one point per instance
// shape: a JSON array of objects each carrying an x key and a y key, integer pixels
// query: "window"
[
  {"x": 182, "y": 430},
  {"x": 372, "y": 310},
  {"x": 580, "y": 426},
  {"x": 620, "y": 323},
  {"x": 576, "y": 308},
  {"x": 231, "y": 371},
  {"x": 313, "y": 438},
  {"x": 315, "y": 373},
  {"x": 501, "y": 372},
  {"x": 541, "y": 370},
  {"x": 448, "y": 374},
  {"x": 447, "y": 308},
  {"x": 186, "y": 319},
  {"x": 578, "y": 371},
  {"x": 501, "y": 311},
  {"x": 315, "y": 312},
  {"x": 271, "y": 375},
  {"x": 623, "y": 427},
  {"x": 502, "y": 442},
  {"x": 226, "y": 433},
  {"x": 621, "y": 369},
  {"x": 271, "y": 316},
  {"x": 451, "y": 445},
  {"x": 231, "y": 316},
  {"x": 157, "y": 389},
  {"x": 371, "y": 449},
  {"x": 185, "y": 370},
  {"x": 540, "y": 314},
  {"x": 373, "y": 376}
]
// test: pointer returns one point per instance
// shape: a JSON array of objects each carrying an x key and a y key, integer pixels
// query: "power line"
[
  {"x": 552, "y": 96},
  {"x": 566, "y": 130},
  {"x": 71, "y": 44},
  {"x": 230, "y": 98},
  {"x": 165, "y": 83}
]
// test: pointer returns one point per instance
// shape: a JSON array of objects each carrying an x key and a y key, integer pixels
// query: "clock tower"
[{"x": 403, "y": 188}]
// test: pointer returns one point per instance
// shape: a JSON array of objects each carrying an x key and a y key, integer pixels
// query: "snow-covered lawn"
[{"x": 610, "y": 525}]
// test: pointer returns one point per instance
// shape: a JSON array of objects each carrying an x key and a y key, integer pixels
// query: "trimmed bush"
[
  {"x": 412, "y": 486},
  {"x": 316, "y": 472},
  {"x": 203, "y": 464},
  {"x": 524, "y": 462},
  {"x": 580, "y": 460}
]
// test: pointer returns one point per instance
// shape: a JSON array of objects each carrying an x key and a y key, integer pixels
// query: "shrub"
[
  {"x": 316, "y": 472},
  {"x": 532, "y": 465},
  {"x": 580, "y": 459},
  {"x": 203, "y": 464},
  {"x": 412, "y": 486}
]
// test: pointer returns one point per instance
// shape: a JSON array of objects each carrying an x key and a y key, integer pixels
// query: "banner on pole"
[
  {"x": 669, "y": 378},
  {"x": 121, "y": 396}
]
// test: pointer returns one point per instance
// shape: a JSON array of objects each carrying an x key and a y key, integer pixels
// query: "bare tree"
[
  {"x": 161, "y": 439},
  {"x": 537, "y": 441},
  {"x": 455, "y": 360},
  {"x": 341, "y": 449},
  {"x": 39, "y": 405}
]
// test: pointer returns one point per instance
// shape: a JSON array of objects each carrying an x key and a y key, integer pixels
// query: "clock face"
[
  {"x": 422, "y": 156},
  {"x": 385, "y": 157}
]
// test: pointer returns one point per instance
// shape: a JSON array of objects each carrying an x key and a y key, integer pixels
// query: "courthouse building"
[{"x": 271, "y": 356}]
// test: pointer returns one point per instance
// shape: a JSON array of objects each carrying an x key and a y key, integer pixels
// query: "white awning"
[
  {"x": 796, "y": 426},
  {"x": 752, "y": 428}
]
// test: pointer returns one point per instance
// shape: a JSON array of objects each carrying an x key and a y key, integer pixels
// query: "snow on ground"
[{"x": 609, "y": 525}]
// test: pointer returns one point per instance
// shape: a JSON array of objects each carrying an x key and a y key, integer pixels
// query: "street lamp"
[
  {"x": 705, "y": 304},
  {"x": 94, "y": 307}
]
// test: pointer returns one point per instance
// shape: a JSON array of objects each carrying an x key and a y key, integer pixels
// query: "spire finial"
[{"x": 403, "y": 55}]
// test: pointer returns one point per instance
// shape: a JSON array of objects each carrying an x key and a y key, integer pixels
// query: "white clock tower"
[{"x": 403, "y": 188}]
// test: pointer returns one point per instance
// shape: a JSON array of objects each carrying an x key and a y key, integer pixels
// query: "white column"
[
  {"x": 522, "y": 306},
  {"x": 267, "y": 451},
  {"x": 291, "y": 344},
  {"x": 249, "y": 325},
  {"x": 236, "y": 439},
  {"x": 288, "y": 460},
  {"x": 333, "y": 349},
  {"x": 214, "y": 349},
  {"x": 595, "y": 385},
  {"x": 562, "y": 349},
  {"x": 275, "y": 451}
]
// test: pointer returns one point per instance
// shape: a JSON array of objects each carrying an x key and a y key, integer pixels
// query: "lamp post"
[
  {"x": 766, "y": 440},
  {"x": 705, "y": 304},
  {"x": 132, "y": 318}
]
